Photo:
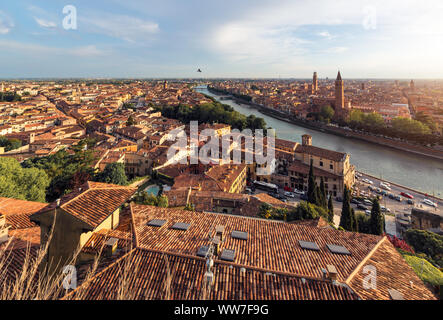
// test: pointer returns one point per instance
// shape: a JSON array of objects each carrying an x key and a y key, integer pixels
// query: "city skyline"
[{"x": 394, "y": 40}]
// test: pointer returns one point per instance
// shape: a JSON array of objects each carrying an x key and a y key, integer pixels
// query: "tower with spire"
[{"x": 340, "y": 110}]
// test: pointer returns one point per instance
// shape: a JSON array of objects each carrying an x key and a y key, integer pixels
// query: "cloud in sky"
[
  {"x": 37, "y": 49},
  {"x": 250, "y": 38},
  {"x": 124, "y": 27},
  {"x": 45, "y": 23},
  {"x": 6, "y": 23}
]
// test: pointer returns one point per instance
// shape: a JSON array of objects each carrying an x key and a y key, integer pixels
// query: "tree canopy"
[
  {"x": 113, "y": 173},
  {"x": 347, "y": 219},
  {"x": 213, "y": 112},
  {"x": 10, "y": 144},
  {"x": 65, "y": 170},
  {"x": 377, "y": 219},
  {"x": 22, "y": 183}
]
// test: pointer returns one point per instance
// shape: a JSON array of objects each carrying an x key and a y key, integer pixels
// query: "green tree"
[
  {"x": 10, "y": 144},
  {"x": 330, "y": 210},
  {"x": 163, "y": 201},
  {"x": 307, "y": 211},
  {"x": 347, "y": 216},
  {"x": 22, "y": 183},
  {"x": 312, "y": 185},
  {"x": 377, "y": 219},
  {"x": 405, "y": 126},
  {"x": 327, "y": 113},
  {"x": 114, "y": 173},
  {"x": 429, "y": 243},
  {"x": 131, "y": 121},
  {"x": 323, "y": 195},
  {"x": 363, "y": 221}
]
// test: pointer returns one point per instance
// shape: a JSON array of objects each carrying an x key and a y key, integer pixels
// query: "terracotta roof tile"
[{"x": 146, "y": 276}]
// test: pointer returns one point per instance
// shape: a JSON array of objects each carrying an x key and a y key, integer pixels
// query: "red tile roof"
[
  {"x": 10, "y": 206},
  {"x": 271, "y": 245},
  {"x": 94, "y": 202},
  {"x": 320, "y": 152},
  {"x": 147, "y": 273}
]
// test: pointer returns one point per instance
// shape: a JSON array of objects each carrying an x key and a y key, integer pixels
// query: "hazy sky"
[{"x": 241, "y": 38}]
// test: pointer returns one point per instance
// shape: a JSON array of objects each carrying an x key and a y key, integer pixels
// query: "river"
[{"x": 417, "y": 172}]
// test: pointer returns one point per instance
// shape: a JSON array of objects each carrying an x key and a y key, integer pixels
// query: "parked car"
[
  {"x": 411, "y": 202},
  {"x": 368, "y": 202},
  {"x": 355, "y": 201},
  {"x": 407, "y": 195},
  {"x": 304, "y": 197},
  {"x": 383, "y": 193},
  {"x": 383, "y": 186},
  {"x": 429, "y": 203},
  {"x": 391, "y": 196},
  {"x": 299, "y": 192},
  {"x": 289, "y": 194},
  {"x": 362, "y": 207},
  {"x": 368, "y": 212},
  {"x": 398, "y": 198}
]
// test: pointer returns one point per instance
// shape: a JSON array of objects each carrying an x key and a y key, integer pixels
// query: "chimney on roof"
[
  {"x": 324, "y": 274},
  {"x": 219, "y": 231},
  {"x": 216, "y": 243},
  {"x": 332, "y": 272},
  {"x": 111, "y": 246},
  {"x": 306, "y": 140}
]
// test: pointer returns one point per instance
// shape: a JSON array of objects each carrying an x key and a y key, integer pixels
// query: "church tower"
[
  {"x": 315, "y": 82},
  {"x": 339, "y": 93}
]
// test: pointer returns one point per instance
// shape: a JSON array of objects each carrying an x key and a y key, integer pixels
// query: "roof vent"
[
  {"x": 156, "y": 223},
  {"x": 308, "y": 245},
  {"x": 395, "y": 295},
  {"x": 228, "y": 255},
  {"x": 239, "y": 235},
  {"x": 337, "y": 249},
  {"x": 181, "y": 226}
]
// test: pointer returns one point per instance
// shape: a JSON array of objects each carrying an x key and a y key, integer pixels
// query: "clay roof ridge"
[{"x": 365, "y": 259}]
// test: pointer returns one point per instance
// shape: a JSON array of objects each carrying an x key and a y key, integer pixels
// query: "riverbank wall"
[{"x": 390, "y": 143}]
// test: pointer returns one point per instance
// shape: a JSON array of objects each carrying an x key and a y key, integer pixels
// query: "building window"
[
  {"x": 331, "y": 167},
  {"x": 321, "y": 163}
]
